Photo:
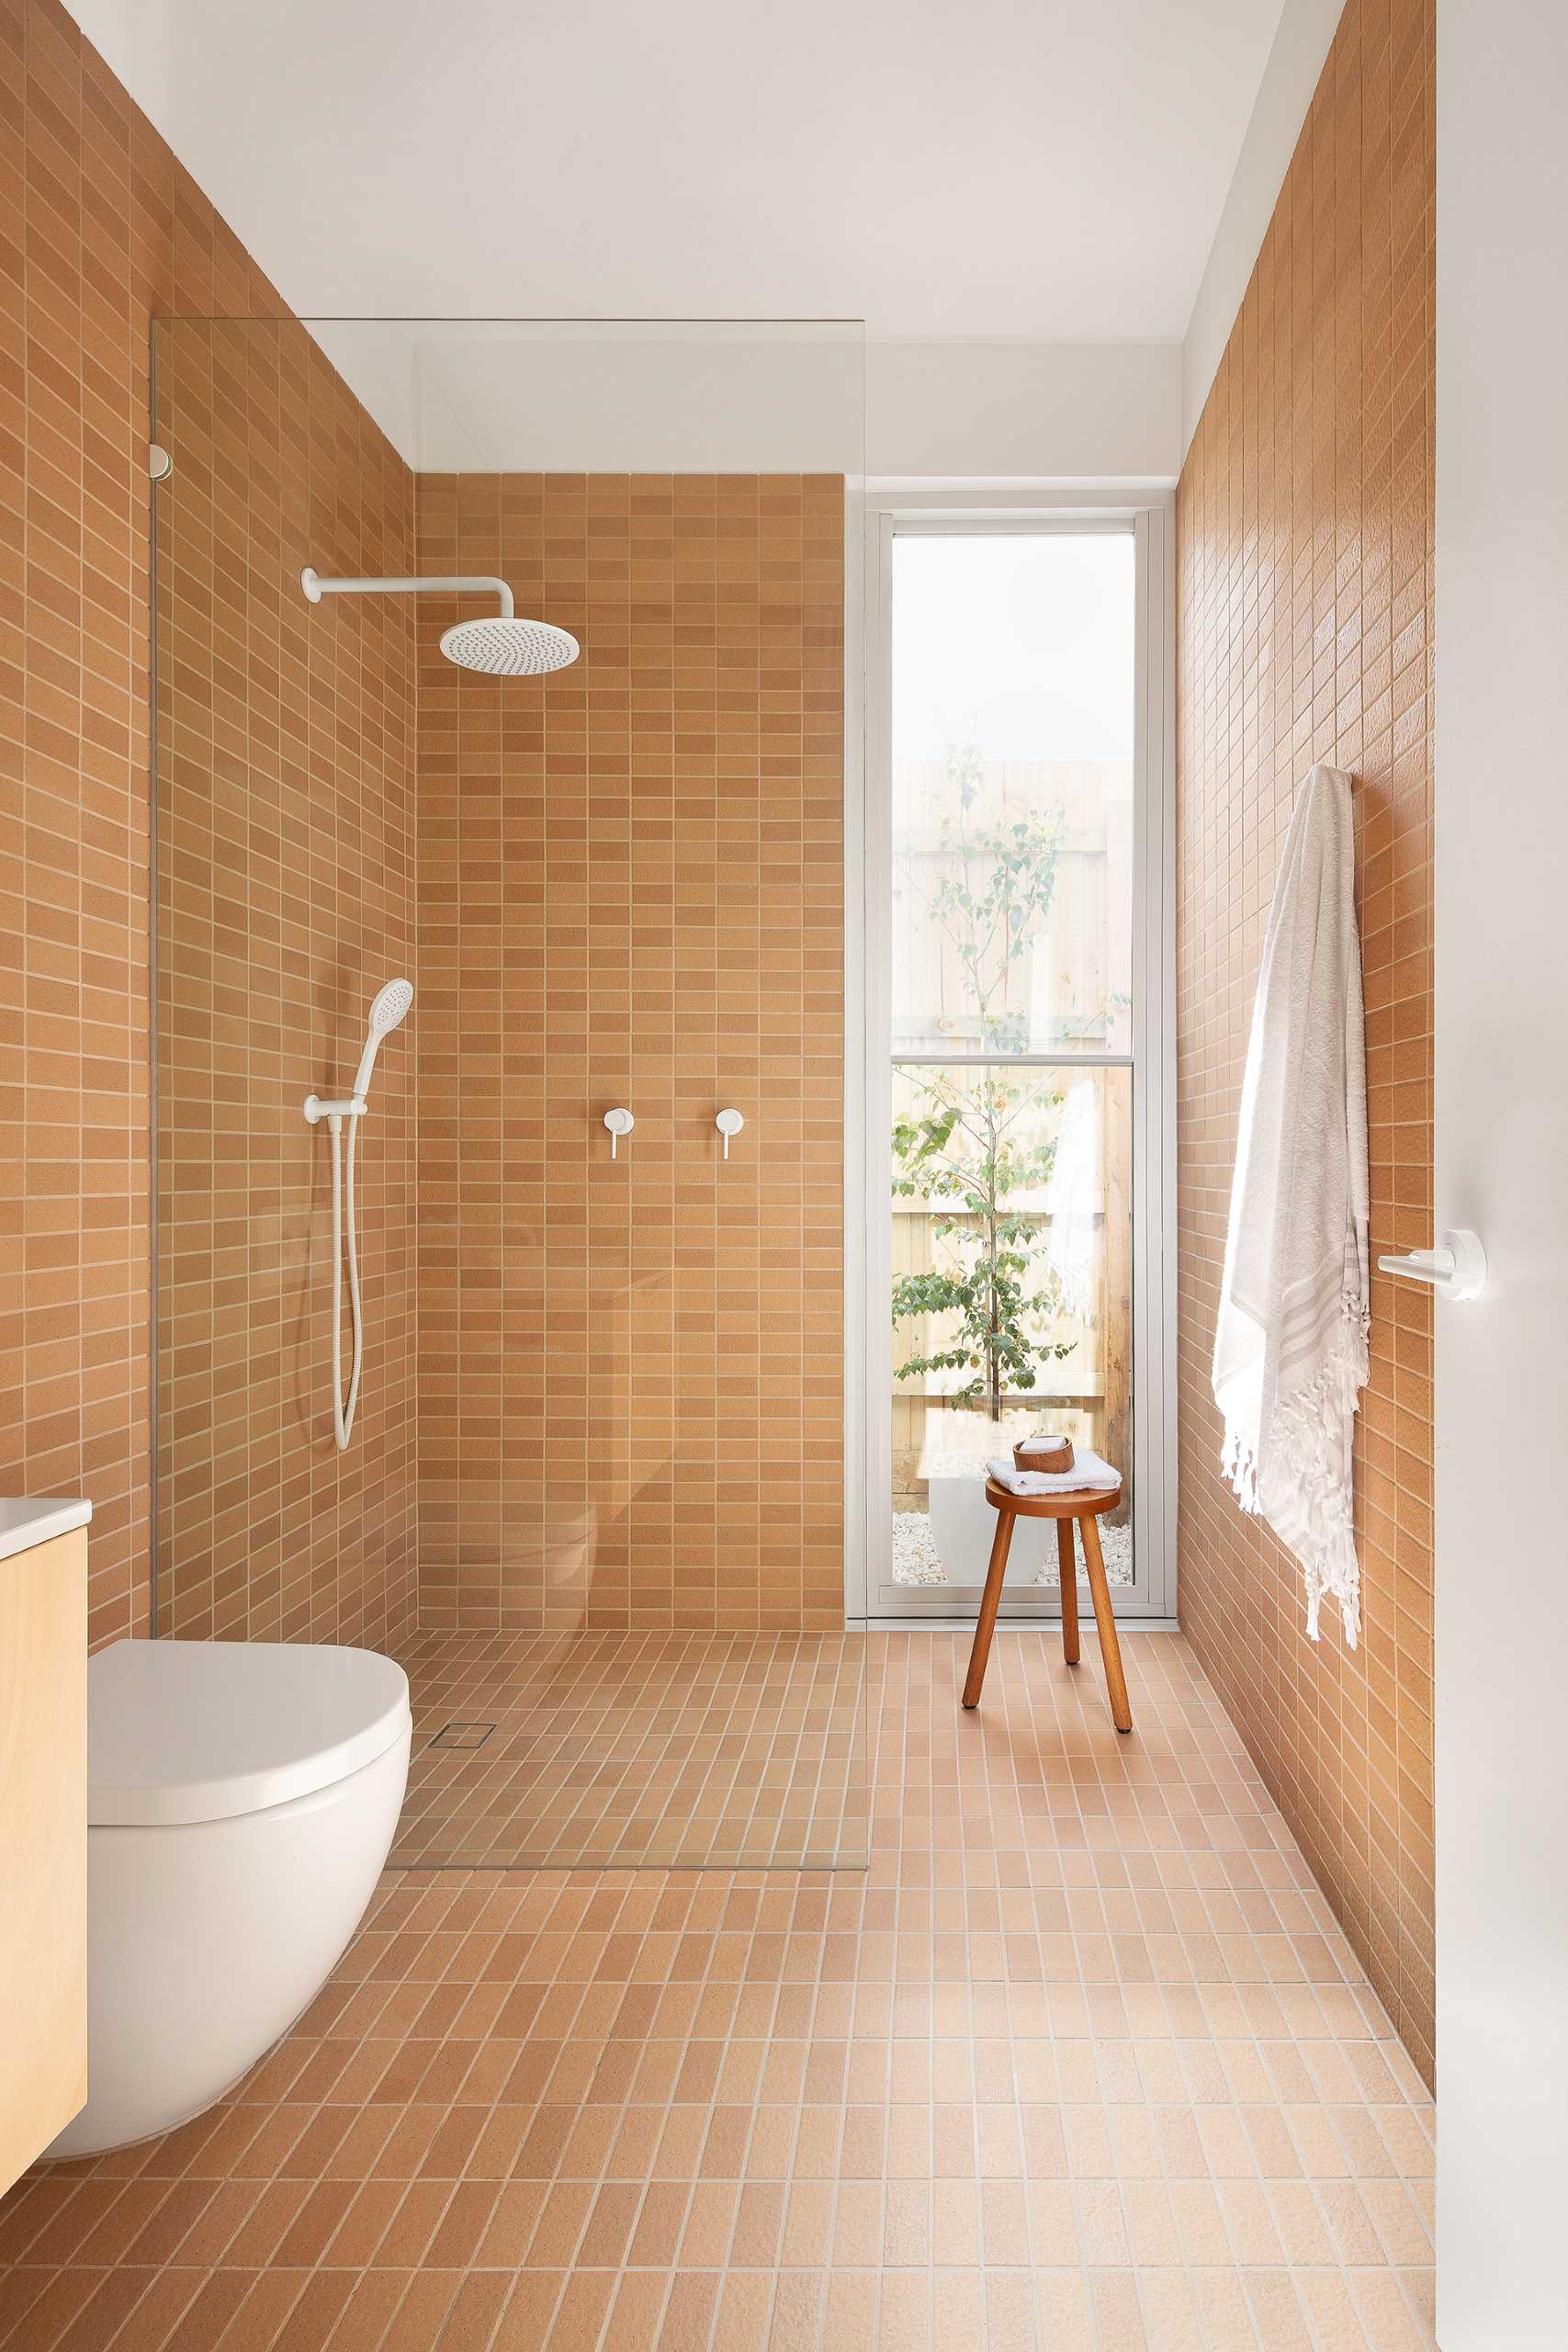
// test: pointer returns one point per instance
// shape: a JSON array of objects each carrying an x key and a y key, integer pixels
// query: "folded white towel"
[{"x": 1088, "y": 1472}]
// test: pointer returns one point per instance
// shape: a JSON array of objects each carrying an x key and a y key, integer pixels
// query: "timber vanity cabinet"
[{"x": 43, "y": 1826}]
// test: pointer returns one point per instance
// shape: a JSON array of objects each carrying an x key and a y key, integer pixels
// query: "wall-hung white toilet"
[{"x": 242, "y": 1799}]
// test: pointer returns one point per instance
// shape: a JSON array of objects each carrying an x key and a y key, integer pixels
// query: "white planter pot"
[{"x": 963, "y": 1526}]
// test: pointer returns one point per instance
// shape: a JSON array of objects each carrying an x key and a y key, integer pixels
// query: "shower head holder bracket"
[{"x": 342, "y": 1106}]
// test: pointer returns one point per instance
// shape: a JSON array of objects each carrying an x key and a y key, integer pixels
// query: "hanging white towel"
[{"x": 1291, "y": 1346}]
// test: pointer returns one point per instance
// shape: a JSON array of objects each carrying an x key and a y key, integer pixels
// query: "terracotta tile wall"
[
  {"x": 1304, "y": 529},
  {"x": 100, "y": 231},
  {"x": 285, "y": 741},
  {"x": 630, "y": 885}
]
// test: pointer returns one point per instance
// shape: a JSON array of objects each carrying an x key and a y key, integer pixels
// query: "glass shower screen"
[{"x": 594, "y": 1492}]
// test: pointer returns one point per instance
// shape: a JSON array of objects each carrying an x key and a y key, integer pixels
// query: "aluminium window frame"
[{"x": 883, "y": 513}]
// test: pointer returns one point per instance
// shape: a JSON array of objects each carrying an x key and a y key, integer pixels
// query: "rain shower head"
[
  {"x": 500, "y": 646},
  {"x": 391, "y": 1006}
]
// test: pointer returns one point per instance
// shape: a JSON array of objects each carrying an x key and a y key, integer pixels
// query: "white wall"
[
  {"x": 1010, "y": 411},
  {"x": 524, "y": 397},
  {"x": 495, "y": 396},
  {"x": 1501, "y": 1698},
  {"x": 1296, "y": 63}
]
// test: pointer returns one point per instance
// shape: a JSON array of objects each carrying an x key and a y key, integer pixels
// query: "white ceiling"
[{"x": 1049, "y": 170}]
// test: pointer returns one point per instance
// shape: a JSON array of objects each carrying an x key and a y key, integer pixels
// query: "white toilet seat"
[{"x": 200, "y": 1731}]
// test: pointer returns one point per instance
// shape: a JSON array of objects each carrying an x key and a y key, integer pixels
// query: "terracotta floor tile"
[
  {"x": 606, "y": 1751},
  {"x": 526, "y": 2319},
  {"x": 318, "y": 2316},
  {"x": 742, "y": 2319},
  {"x": 475, "y": 2311},
  {"x": 421, "y": 2315},
  {"x": 260, "y": 2320},
  {"x": 47, "y": 2218},
  {"x": 365, "y": 2221},
  {"x": 1076, "y": 2062}
]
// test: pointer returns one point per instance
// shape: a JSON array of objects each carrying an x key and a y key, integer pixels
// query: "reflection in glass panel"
[
  {"x": 1013, "y": 659},
  {"x": 1011, "y": 1301}
]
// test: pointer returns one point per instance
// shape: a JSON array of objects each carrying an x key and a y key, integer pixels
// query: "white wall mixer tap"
[{"x": 729, "y": 1123}]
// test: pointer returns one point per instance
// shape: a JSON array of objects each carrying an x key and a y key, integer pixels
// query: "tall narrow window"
[{"x": 1012, "y": 705}]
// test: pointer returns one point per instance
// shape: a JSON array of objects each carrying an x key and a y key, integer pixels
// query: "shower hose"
[{"x": 343, "y": 1183}]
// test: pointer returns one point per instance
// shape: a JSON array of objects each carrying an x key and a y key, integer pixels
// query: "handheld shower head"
[{"x": 391, "y": 1006}]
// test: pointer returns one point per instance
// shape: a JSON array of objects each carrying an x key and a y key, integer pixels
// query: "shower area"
[{"x": 590, "y": 1489}]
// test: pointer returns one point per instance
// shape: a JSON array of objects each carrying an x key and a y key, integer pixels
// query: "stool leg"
[
  {"x": 990, "y": 1600},
  {"x": 1110, "y": 1648},
  {"x": 1067, "y": 1568}
]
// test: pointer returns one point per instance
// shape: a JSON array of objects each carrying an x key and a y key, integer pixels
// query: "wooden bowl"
[{"x": 1045, "y": 1453}]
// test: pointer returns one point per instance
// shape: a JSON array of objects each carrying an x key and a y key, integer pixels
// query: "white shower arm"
[{"x": 477, "y": 583}]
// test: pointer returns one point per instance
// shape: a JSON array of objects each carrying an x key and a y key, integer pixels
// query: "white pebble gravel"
[{"x": 916, "y": 1559}]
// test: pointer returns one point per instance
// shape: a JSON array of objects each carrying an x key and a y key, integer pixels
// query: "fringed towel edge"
[{"x": 1308, "y": 1502}]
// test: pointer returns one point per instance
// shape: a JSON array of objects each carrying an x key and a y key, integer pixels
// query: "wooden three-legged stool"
[{"x": 1085, "y": 1507}]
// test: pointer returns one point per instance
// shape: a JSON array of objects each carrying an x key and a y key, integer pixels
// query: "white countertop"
[{"x": 23, "y": 1524}]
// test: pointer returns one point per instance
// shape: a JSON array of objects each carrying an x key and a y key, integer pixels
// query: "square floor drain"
[{"x": 459, "y": 1733}]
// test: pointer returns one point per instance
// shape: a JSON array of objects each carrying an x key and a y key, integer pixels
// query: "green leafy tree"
[{"x": 970, "y": 1140}]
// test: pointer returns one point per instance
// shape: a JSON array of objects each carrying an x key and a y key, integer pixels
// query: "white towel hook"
[
  {"x": 1455, "y": 1269},
  {"x": 620, "y": 1123},
  {"x": 729, "y": 1123}
]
